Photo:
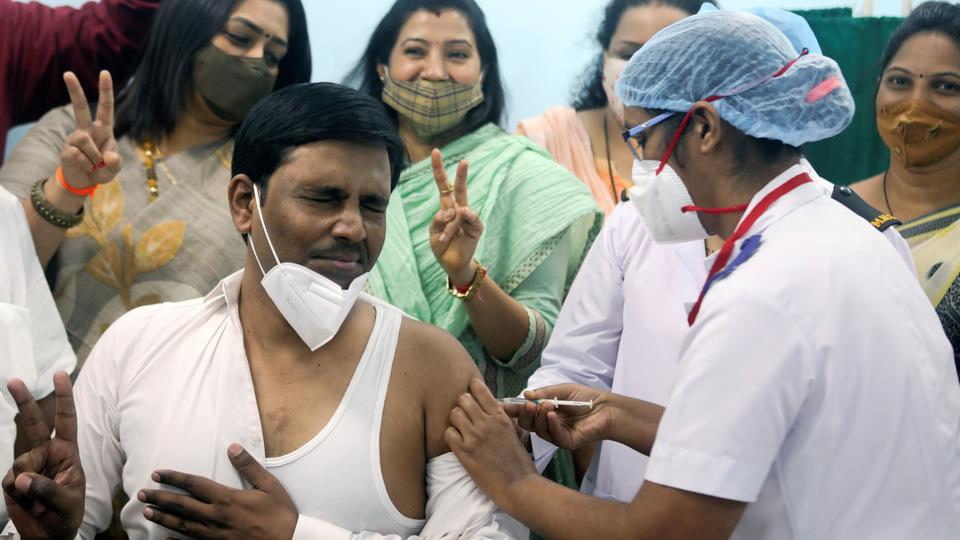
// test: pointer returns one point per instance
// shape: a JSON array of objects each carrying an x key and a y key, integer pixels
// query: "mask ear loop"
[{"x": 256, "y": 195}]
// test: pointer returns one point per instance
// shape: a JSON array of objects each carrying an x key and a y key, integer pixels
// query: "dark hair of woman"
[
  {"x": 151, "y": 104},
  {"x": 589, "y": 93},
  {"x": 364, "y": 75},
  {"x": 938, "y": 17}
]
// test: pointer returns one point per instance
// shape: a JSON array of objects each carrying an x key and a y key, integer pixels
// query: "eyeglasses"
[{"x": 635, "y": 131}]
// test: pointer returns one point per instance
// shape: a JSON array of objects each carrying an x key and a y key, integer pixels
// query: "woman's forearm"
[
  {"x": 500, "y": 321},
  {"x": 46, "y": 236}
]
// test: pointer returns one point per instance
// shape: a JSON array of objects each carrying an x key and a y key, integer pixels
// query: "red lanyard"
[{"x": 723, "y": 257}]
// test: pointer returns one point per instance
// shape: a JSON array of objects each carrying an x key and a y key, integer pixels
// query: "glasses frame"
[{"x": 633, "y": 132}]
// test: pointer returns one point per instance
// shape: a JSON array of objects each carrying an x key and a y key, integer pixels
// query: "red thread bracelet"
[{"x": 79, "y": 192}]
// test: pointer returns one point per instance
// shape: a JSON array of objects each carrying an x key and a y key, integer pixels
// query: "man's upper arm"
[
  {"x": 43, "y": 42},
  {"x": 51, "y": 349},
  {"x": 745, "y": 375},
  {"x": 443, "y": 372},
  {"x": 96, "y": 396}
]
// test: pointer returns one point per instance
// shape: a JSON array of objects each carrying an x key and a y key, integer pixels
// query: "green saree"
[{"x": 539, "y": 222}]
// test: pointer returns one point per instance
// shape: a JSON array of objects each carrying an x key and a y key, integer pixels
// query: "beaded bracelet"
[{"x": 50, "y": 213}]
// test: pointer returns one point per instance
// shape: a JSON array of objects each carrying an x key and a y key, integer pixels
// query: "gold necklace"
[
  {"x": 153, "y": 159},
  {"x": 150, "y": 156}
]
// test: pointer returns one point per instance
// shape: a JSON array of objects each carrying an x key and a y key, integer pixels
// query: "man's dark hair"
[
  {"x": 150, "y": 106},
  {"x": 590, "y": 94},
  {"x": 938, "y": 17},
  {"x": 306, "y": 113},
  {"x": 365, "y": 76}
]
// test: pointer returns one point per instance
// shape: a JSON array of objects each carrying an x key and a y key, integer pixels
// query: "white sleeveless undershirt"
[{"x": 336, "y": 476}]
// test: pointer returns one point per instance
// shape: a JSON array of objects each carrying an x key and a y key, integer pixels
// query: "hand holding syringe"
[{"x": 556, "y": 402}]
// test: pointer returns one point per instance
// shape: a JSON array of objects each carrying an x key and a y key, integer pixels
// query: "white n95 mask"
[
  {"x": 312, "y": 304},
  {"x": 659, "y": 199}
]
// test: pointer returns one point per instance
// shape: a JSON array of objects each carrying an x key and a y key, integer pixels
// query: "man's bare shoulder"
[{"x": 435, "y": 356}]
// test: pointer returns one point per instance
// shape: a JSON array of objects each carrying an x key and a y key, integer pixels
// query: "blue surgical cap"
[
  {"x": 718, "y": 52},
  {"x": 795, "y": 27}
]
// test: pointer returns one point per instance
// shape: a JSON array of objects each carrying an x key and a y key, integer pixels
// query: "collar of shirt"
[
  {"x": 788, "y": 203},
  {"x": 228, "y": 288}
]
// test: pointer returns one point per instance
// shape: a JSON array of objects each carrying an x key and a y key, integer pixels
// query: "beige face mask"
[
  {"x": 431, "y": 107},
  {"x": 918, "y": 132},
  {"x": 612, "y": 68}
]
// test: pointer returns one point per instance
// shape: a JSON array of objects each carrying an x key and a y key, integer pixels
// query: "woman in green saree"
[
  {"x": 918, "y": 115},
  {"x": 488, "y": 258}
]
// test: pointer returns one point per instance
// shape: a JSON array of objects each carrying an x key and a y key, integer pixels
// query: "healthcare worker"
[
  {"x": 815, "y": 395},
  {"x": 628, "y": 279}
]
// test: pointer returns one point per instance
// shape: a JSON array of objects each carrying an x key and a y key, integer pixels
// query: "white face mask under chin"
[
  {"x": 313, "y": 305},
  {"x": 659, "y": 199}
]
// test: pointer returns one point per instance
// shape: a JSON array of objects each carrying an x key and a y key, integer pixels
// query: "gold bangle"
[{"x": 470, "y": 291}]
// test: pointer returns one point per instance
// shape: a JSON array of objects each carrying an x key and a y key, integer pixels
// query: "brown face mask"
[{"x": 918, "y": 132}]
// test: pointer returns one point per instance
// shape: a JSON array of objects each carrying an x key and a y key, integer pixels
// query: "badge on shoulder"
[{"x": 846, "y": 196}]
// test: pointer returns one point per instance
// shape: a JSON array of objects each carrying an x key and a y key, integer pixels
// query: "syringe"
[{"x": 556, "y": 402}]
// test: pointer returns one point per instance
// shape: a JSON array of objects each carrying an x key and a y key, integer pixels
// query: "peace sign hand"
[
  {"x": 45, "y": 488},
  {"x": 90, "y": 154},
  {"x": 456, "y": 229}
]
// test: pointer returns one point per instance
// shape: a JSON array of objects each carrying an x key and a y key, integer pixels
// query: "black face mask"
[{"x": 230, "y": 85}]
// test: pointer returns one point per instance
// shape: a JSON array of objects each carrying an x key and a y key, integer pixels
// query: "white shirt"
[
  {"x": 33, "y": 342},
  {"x": 891, "y": 233},
  {"x": 169, "y": 386},
  {"x": 629, "y": 281},
  {"x": 818, "y": 385}
]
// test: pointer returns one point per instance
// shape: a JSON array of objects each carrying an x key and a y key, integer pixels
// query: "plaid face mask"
[{"x": 431, "y": 107}]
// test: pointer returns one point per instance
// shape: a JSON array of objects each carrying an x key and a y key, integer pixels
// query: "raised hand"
[
  {"x": 90, "y": 154},
  {"x": 456, "y": 228},
  {"x": 212, "y": 510},
  {"x": 45, "y": 489},
  {"x": 566, "y": 427}
]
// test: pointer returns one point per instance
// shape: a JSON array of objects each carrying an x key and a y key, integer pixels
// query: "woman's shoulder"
[
  {"x": 58, "y": 116},
  {"x": 870, "y": 190},
  {"x": 591, "y": 115},
  {"x": 551, "y": 116},
  {"x": 521, "y": 162},
  {"x": 36, "y": 155}
]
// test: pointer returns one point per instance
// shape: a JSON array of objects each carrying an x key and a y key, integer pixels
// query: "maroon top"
[{"x": 38, "y": 43}]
